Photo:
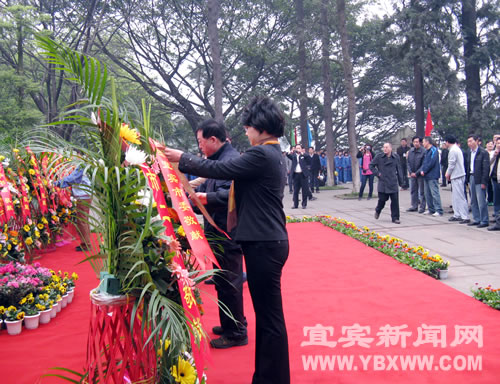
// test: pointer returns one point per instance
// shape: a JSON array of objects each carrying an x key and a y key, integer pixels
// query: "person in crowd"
[
  {"x": 490, "y": 148},
  {"x": 289, "y": 173},
  {"x": 366, "y": 155},
  {"x": 261, "y": 227},
  {"x": 455, "y": 174},
  {"x": 315, "y": 169},
  {"x": 478, "y": 171},
  {"x": 80, "y": 190},
  {"x": 402, "y": 152},
  {"x": 444, "y": 163},
  {"x": 387, "y": 168},
  {"x": 324, "y": 165},
  {"x": 339, "y": 167},
  {"x": 347, "y": 167},
  {"x": 301, "y": 163},
  {"x": 495, "y": 181},
  {"x": 430, "y": 171},
  {"x": 415, "y": 158},
  {"x": 214, "y": 194}
]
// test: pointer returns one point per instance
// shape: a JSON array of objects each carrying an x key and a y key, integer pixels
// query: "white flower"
[
  {"x": 144, "y": 197},
  {"x": 135, "y": 156},
  {"x": 93, "y": 118},
  {"x": 101, "y": 162},
  {"x": 6, "y": 162}
]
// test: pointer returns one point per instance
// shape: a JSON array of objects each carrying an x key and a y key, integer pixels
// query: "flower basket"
[
  {"x": 32, "y": 322},
  {"x": 45, "y": 316},
  {"x": 14, "y": 327},
  {"x": 113, "y": 355}
]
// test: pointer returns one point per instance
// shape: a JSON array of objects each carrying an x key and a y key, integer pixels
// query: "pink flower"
[{"x": 13, "y": 284}]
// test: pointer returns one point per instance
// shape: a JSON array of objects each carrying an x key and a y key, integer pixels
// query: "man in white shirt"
[{"x": 455, "y": 174}]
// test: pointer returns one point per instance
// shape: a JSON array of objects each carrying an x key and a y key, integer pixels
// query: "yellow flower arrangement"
[
  {"x": 183, "y": 372},
  {"x": 130, "y": 135},
  {"x": 29, "y": 240},
  {"x": 15, "y": 150},
  {"x": 44, "y": 221},
  {"x": 37, "y": 234},
  {"x": 181, "y": 231},
  {"x": 32, "y": 172}
]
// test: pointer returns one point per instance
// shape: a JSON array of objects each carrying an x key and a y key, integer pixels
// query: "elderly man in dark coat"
[{"x": 387, "y": 168}]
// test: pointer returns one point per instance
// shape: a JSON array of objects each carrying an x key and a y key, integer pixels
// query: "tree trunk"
[
  {"x": 472, "y": 70},
  {"x": 419, "y": 98},
  {"x": 302, "y": 83},
  {"x": 20, "y": 64},
  {"x": 327, "y": 91},
  {"x": 213, "y": 8},
  {"x": 351, "y": 96}
]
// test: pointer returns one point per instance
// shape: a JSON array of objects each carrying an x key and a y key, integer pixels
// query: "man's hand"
[
  {"x": 413, "y": 175},
  {"x": 448, "y": 177},
  {"x": 483, "y": 186},
  {"x": 422, "y": 173},
  {"x": 202, "y": 197},
  {"x": 173, "y": 155}
]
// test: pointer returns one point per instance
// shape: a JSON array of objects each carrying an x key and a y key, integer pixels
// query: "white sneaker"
[
  {"x": 427, "y": 213},
  {"x": 437, "y": 214}
]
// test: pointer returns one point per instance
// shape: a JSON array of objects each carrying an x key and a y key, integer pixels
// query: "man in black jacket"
[
  {"x": 301, "y": 165},
  {"x": 315, "y": 168},
  {"x": 387, "y": 168},
  {"x": 478, "y": 171},
  {"x": 444, "y": 163},
  {"x": 415, "y": 159},
  {"x": 214, "y": 195},
  {"x": 402, "y": 152}
]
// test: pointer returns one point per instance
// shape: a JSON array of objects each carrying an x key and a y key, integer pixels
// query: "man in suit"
[
  {"x": 402, "y": 152},
  {"x": 455, "y": 174},
  {"x": 214, "y": 194},
  {"x": 387, "y": 168},
  {"x": 315, "y": 168},
  {"x": 415, "y": 158},
  {"x": 478, "y": 171},
  {"x": 301, "y": 164}
]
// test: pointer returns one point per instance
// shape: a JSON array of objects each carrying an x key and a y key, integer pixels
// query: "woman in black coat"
[{"x": 259, "y": 182}]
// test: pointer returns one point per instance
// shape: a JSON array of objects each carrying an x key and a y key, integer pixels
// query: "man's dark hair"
[
  {"x": 416, "y": 137},
  {"x": 311, "y": 148},
  {"x": 263, "y": 114},
  {"x": 212, "y": 127},
  {"x": 429, "y": 139},
  {"x": 451, "y": 139},
  {"x": 404, "y": 138},
  {"x": 474, "y": 136}
]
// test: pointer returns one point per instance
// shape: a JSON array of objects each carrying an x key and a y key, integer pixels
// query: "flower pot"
[
  {"x": 443, "y": 274},
  {"x": 14, "y": 327},
  {"x": 32, "y": 322},
  {"x": 71, "y": 294},
  {"x": 45, "y": 316},
  {"x": 59, "y": 306},
  {"x": 64, "y": 301},
  {"x": 54, "y": 311}
]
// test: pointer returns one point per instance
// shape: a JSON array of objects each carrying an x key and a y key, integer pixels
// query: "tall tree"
[
  {"x": 327, "y": 89},
  {"x": 213, "y": 9},
  {"x": 301, "y": 69},
  {"x": 351, "y": 96},
  {"x": 472, "y": 67}
]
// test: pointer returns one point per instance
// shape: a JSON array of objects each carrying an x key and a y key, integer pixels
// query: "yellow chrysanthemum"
[
  {"x": 32, "y": 172},
  {"x": 29, "y": 241},
  {"x": 130, "y": 135},
  {"x": 44, "y": 220},
  {"x": 183, "y": 372},
  {"x": 0, "y": 247},
  {"x": 181, "y": 231},
  {"x": 40, "y": 226},
  {"x": 37, "y": 234},
  {"x": 15, "y": 150},
  {"x": 26, "y": 228},
  {"x": 2, "y": 158}
]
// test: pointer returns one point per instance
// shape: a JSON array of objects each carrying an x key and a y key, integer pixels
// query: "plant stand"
[{"x": 113, "y": 354}]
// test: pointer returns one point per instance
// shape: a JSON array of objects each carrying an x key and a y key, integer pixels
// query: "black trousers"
[
  {"x": 300, "y": 182},
  {"x": 383, "y": 197},
  {"x": 404, "y": 169},
  {"x": 264, "y": 262},
  {"x": 314, "y": 180},
  {"x": 229, "y": 287},
  {"x": 364, "y": 179},
  {"x": 443, "y": 174}
]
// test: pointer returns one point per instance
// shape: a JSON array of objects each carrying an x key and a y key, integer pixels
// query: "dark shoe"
[
  {"x": 304, "y": 206},
  {"x": 218, "y": 330},
  {"x": 369, "y": 198},
  {"x": 412, "y": 210},
  {"x": 377, "y": 215},
  {"x": 295, "y": 207},
  {"x": 494, "y": 228},
  {"x": 396, "y": 221},
  {"x": 484, "y": 225},
  {"x": 223, "y": 342},
  {"x": 317, "y": 191},
  {"x": 465, "y": 221},
  {"x": 81, "y": 248},
  {"x": 313, "y": 198},
  {"x": 360, "y": 198},
  {"x": 421, "y": 210},
  {"x": 210, "y": 282},
  {"x": 453, "y": 218},
  {"x": 473, "y": 223},
  {"x": 493, "y": 221},
  {"x": 291, "y": 192}
]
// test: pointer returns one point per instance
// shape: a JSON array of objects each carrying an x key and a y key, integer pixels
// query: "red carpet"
[{"x": 329, "y": 279}]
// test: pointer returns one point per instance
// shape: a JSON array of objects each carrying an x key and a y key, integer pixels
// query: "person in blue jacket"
[
  {"x": 338, "y": 167},
  {"x": 430, "y": 170},
  {"x": 347, "y": 167}
]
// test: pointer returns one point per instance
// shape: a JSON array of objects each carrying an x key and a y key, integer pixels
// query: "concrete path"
[{"x": 474, "y": 253}]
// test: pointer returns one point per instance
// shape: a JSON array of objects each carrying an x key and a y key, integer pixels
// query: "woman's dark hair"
[
  {"x": 212, "y": 127},
  {"x": 263, "y": 114}
]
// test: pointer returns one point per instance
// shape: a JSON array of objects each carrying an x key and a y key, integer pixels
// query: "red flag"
[{"x": 428, "y": 124}]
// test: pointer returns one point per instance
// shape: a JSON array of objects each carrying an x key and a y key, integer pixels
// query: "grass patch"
[
  {"x": 332, "y": 188},
  {"x": 354, "y": 196}
]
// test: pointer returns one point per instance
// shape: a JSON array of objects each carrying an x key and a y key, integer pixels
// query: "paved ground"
[{"x": 474, "y": 253}]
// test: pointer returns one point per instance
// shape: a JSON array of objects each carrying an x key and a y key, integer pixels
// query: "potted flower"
[
  {"x": 441, "y": 266},
  {"x": 43, "y": 304},
  {"x": 70, "y": 280},
  {"x": 14, "y": 320},
  {"x": 32, "y": 314}
]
